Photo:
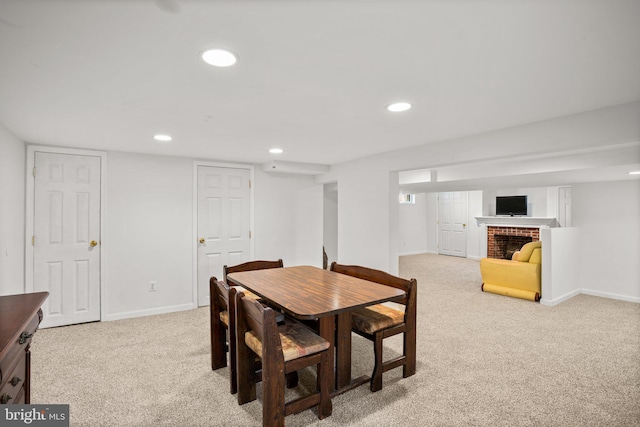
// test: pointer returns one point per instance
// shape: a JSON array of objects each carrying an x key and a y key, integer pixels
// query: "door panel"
[
  {"x": 54, "y": 286},
  {"x": 223, "y": 223},
  {"x": 82, "y": 276},
  {"x": 66, "y": 220},
  {"x": 445, "y": 241},
  {"x": 211, "y": 218}
]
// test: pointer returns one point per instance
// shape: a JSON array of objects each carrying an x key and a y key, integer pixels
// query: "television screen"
[{"x": 511, "y": 205}]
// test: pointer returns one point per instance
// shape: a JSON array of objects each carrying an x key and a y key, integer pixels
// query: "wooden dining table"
[{"x": 310, "y": 293}]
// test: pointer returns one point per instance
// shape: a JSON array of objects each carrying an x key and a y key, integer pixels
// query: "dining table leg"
[
  {"x": 343, "y": 350},
  {"x": 327, "y": 330}
]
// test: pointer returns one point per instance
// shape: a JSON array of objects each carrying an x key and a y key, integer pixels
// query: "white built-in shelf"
[{"x": 518, "y": 221}]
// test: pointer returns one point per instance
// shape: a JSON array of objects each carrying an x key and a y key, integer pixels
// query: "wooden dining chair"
[
  {"x": 282, "y": 349},
  {"x": 380, "y": 321},
  {"x": 250, "y": 266},
  {"x": 222, "y": 320}
]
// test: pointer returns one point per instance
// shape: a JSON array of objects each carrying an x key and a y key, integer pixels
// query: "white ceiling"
[{"x": 313, "y": 77}]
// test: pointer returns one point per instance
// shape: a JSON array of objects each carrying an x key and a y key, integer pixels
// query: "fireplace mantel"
[{"x": 518, "y": 221}]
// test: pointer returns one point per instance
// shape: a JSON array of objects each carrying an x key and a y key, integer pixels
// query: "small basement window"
[{"x": 408, "y": 199}]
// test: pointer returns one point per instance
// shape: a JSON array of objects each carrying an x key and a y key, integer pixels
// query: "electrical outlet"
[{"x": 152, "y": 286}]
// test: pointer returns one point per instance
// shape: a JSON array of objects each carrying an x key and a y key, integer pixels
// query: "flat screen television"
[{"x": 511, "y": 205}]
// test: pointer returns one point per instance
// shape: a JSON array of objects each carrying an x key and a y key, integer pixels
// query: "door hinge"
[
  {"x": 249, "y": 233},
  {"x": 33, "y": 240},
  {"x": 34, "y": 171},
  {"x": 249, "y": 183}
]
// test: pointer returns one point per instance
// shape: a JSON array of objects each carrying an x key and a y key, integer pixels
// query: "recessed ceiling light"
[
  {"x": 398, "y": 106},
  {"x": 162, "y": 138},
  {"x": 634, "y": 173},
  {"x": 276, "y": 151},
  {"x": 219, "y": 57}
]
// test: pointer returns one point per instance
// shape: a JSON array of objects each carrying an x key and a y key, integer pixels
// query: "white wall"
[
  {"x": 474, "y": 231},
  {"x": 432, "y": 223},
  {"x": 536, "y": 200},
  {"x": 149, "y": 230},
  {"x": 308, "y": 225},
  {"x": 413, "y": 226},
  {"x": 393, "y": 222},
  {"x": 561, "y": 264},
  {"x": 12, "y": 208},
  {"x": 148, "y": 234},
  {"x": 608, "y": 216},
  {"x": 363, "y": 218},
  {"x": 276, "y": 207}
]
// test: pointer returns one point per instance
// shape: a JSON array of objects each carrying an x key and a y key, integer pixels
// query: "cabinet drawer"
[
  {"x": 30, "y": 330},
  {"x": 10, "y": 399},
  {"x": 14, "y": 380},
  {"x": 20, "y": 316},
  {"x": 17, "y": 351},
  {"x": 20, "y": 399}
]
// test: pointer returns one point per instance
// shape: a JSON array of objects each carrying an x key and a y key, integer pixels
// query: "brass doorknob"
[
  {"x": 202, "y": 240},
  {"x": 93, "y": 243}
]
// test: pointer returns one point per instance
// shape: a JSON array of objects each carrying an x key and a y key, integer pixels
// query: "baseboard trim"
[
  {"x": 475, "y": 258},
  {"x": 610, "y": 295},
  {"x": 556, "y": 301},
  {"x": 148, "y": 312},
  {"x": 413, "y": 253},
  {"x": 589, "y": 292}
]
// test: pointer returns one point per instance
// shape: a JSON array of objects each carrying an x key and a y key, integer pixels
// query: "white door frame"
[
  {"x": 29, "y": 217},
  {"x": 195, "y": 216}
]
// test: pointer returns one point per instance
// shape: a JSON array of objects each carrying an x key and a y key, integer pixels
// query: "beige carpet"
[{"x": 483, "y": 360}]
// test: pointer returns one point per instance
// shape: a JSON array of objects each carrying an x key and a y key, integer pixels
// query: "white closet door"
[{"x": 66, "y": 243}]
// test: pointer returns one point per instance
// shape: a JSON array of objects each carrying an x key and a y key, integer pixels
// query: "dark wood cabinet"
[{"x": 20, "y": 316}]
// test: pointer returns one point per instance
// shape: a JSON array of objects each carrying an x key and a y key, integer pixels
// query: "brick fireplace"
[{"x": 502, "y": 241}]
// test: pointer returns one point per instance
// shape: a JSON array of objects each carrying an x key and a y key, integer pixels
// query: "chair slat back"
[
  {"x": 250, "y": 266},
  {"x": 378, "y": 276},
  {"x": 222, "y": 295}
]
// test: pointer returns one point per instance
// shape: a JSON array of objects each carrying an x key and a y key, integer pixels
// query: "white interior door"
[
  {"x": 564, "y": 206},
  {"x": 66, "y": 240},
  {"x": 452, "y": 227},
  {"x": 223, "y": 223}
]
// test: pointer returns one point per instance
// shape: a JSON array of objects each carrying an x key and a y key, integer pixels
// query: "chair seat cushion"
[
  {"x": 224, "y": 316},
  {"x": 297, "y": 341},
  {"x": 375, "y": 318},
  {"x": 247, "y": 293}
]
